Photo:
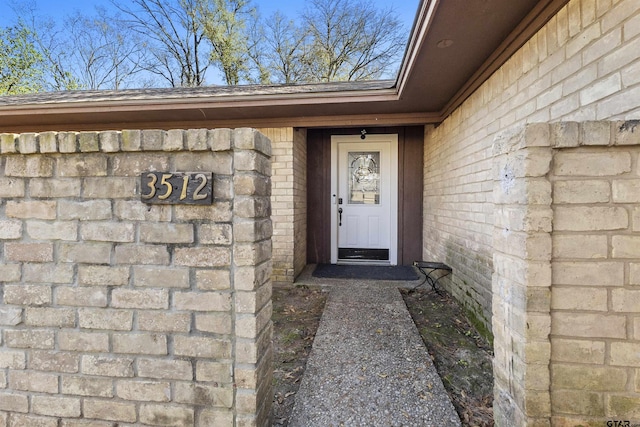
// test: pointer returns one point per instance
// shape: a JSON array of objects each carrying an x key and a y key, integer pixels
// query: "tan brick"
[
  {"x": 131, "y": 140},
  {"x": 99, "y": 318},
  {"x": 166, "y": 233},
  {"x": 250, "y": 326},
  {"x": 174, "y": 140},
  {"x": 80, "y": 297},
  {"x": 31, "y": 209},
  {"x": 85, "y": 253},
  {"x": 59, "y": 230},
  {"x": 220, "y": 139},
  {"x": 68, "y": 142},
  {"x": 27, "y": 143},
  {"x": 249, "y": 278},
  {"x": 90, "y": 210},
  {"x": 136, "y": 164},
  {"x": 11, "y": 187},
  {"x": 10, "y": 316},
  {"x": 86, "y": 423},
  {"x": 165, "y": 369},
  {"x": 29, "y": 166},
  {"x": 583, "y": 191},
  {"x": 81, "y": 165},
  {"x": 12, "y": 359},
  {"x": 218, "y": 163},
  {"x": 166, "y": 415},
  {"x": 8, "y": 143},
  {"x": 13, "y": 402},
  {"x": 152, "y": 139},
  {"x": 161, "y": 321},
  {"x": 88, "y": 142},
  {"x": 107, "y": 231},
  {"x": 217, "y": 323},
  {"x": 109, "y": 410},
  {"x": 579, "y": 298},
  {"x": 202, "y": 257},
  {"x": 215, "y": 417},
  {"x": 86, "y": 386},
  {"x": 218, "y": 212},
  {"x": 54, "y": 361},
  {"x": 97, "y": 275},
  {"x": 158, "y": 277},
  {"x": 54, "y": 188},
  {"x": 143, "y": 391},
  {"x": 134, "y": 210},
  {"x": 29, "y": 252},
  {"x": 109, "y": 141},
  {"x": 205, "y": 301},
  {"x": 214, "y": 372},
  {"x": 588, "y": 325},
  {"x": 252, "y": 302},
  {"x": 625, "y": 246},
  {"x": 625, "y": 354},
  {"x": 83, "y": 341},
  {"x": 626, "y": 191},
  {"x": 592, "y": 164},
  {"x": 588, "y": 273},
  {"x": 578, "y": 402},
  {"x": 56, "y": 406},
  {"x": 577, "y": 351},
  {"x": 142, "y": 254},
  {"x": 211, "y": 280},
  {"x": 33, "y": 381},
  {"x": 24, "y": 420},
  {"x": 625, "y": 300},
  {"x": 636, "y": 219},
  {"x": 588, "y": 377},
  {"x": 197, "y": 140},
  {"x": 202, "y": 347},
  {"x": 140, "y": 343},
  {"x": 29, "y": 338},
  {"x": 10, "y": 272},
  {"x": 215, "y": 234},
  {"x": 10, "y": 229},
  {"x": 256, "y": 253},
  {"x": 48, "y": 273},
  {"x": 107, "y": 366},
  {"x": 203, "y": 395},
  {"x": 590, "y": 218},
  {"x": 53, "y": 317},
  {"x": 29, "y": 295},
  {"x": 636, "y": 328},
  {"x": 626, "y": 407},
  {"x": 147, "y": 298},
  {"x": 109, "y": 188},
  {"x": 251, "y": 185}
]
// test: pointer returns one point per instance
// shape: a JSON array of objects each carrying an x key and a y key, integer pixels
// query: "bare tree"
[
  {"x": 179, "y": 52},
  {"x": 106, "y": 55},
  {"x": 350, "y": 40},
  {"x": 286, "y": 45}
]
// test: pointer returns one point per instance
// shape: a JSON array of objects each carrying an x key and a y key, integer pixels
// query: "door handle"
[{"x": 340, "y": 217}]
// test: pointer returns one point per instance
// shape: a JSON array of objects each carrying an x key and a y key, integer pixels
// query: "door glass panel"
[{"x": 364, "y": 177}]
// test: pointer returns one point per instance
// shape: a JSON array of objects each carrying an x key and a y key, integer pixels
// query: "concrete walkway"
[{"x": 368, "y": 365}]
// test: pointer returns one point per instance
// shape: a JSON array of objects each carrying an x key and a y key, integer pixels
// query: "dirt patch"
[
  {"x": 296, "y": 315},
  {"x": 461, "y": 356}
]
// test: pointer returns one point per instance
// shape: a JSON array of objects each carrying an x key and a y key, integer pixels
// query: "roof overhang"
[{"x": 455, "y": 45}]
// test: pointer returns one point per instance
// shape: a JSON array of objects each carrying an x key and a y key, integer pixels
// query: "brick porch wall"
[
  {"x": 115, "y": 311},
  {"x": 289, "y": 202},
  {"x": 583, "y": 65},
  {"x": 566, "y": 304}
]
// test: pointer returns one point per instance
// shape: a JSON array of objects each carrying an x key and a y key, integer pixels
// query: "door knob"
[{"x": 340, "y": 217}]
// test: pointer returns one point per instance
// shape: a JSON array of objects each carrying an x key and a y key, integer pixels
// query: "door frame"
[{"x": 392, "y": 139}]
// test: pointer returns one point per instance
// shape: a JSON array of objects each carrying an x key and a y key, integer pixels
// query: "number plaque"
[{"x": 177, "y": 188}]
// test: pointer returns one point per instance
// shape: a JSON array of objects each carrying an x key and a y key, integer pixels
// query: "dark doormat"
[{"x": 366, "y": 272}]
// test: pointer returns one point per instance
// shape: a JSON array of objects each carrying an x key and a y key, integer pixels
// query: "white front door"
[{"x": 364, "y": 183}]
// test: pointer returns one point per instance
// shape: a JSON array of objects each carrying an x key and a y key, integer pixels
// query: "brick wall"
[
  {"x": 289, "y": 202},
  {"x": 566, "y": 302},
  {"x": 119, "y": 312},
  {"x": 595, "y": 299},
  {"x": 581, "y": 66}
]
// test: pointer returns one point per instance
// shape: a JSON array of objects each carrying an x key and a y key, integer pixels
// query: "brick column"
[{"x": 522, "y": 276}]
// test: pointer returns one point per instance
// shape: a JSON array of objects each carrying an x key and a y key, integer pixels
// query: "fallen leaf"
[{"x": 383, "y": 375}]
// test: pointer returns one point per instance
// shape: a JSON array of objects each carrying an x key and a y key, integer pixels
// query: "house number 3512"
[{"x": 177, "y": 188}]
